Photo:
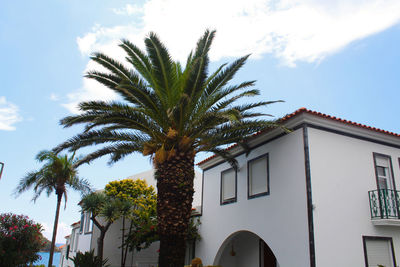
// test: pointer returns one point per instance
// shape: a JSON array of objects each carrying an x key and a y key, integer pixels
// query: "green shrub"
[{"x": 88, "y": 259}]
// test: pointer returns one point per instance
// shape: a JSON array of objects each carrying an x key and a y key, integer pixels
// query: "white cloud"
[
  {"x": 63, "y": 230},
  {"x": 8, "y": 115},
  {"x": 128, "y": 10},
  {"x": 291, "y": 30},
  {"x": 91, "y": 90}
]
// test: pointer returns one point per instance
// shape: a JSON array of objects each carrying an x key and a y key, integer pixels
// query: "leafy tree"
[
  {"x": 20, "y": 240},
  {"x": 57, "y": 173},
  {"x": 171, "y": 113},
  {"x": 138, "y": 206}
]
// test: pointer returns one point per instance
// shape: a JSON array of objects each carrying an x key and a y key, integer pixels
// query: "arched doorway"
[{"x": 245, "y": 249}]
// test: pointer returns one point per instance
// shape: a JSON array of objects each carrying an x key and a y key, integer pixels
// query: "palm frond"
[
  {"x": 56, "y": 172},
  {"x": 112, "y": 65},
  {"x": 224, "y": 76},
  {"x": 116, "y": 151},
  {"x": 138, "y": 59},
  {"x": 162, "y": 68},
  {"x": 93, "y": 202}
]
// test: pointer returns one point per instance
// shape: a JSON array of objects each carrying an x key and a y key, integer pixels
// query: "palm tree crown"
[
  {"x": 57, "y": 173},
  {"x": 171, "y": 113},
  {"x": 166, "y": 107}
]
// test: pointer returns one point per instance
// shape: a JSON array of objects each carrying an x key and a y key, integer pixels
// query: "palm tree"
[
  {"x": 171, "y": 113},
  {"x": 56, "y": 174}
]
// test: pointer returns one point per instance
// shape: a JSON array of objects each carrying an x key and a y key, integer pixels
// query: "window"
[
  {"x": 258, "y": 177},
  {"x": 88, "y": 223},
  {"x": 82, "y": 222},
  {"x": 72, "y": 240},
  {"x": 68, "y": 249},
  {"x": 383, "y": 170},
  {"x": 228, "y": 186},
  {"x": 378, "y": 251},
  {"x": 76, "y": 241}
]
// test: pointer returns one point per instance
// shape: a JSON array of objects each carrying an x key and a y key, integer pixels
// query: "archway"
[{"x": 245, "y": 249}]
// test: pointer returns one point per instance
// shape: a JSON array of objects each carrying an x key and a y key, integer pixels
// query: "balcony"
[{"x": 384, "y": 207}]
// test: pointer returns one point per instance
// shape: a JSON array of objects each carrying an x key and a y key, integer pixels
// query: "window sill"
[
  {"x": 258, "y": 195},
  {"x": 228, "y": 201}
]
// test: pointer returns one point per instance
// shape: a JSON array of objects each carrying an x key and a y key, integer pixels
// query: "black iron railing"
[{"x": 384, "y": 204}]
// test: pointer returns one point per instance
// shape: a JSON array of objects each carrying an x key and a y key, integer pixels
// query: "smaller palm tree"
[
  {"x": 99, "y": 205},
  {"x": 58, "y": 172}
]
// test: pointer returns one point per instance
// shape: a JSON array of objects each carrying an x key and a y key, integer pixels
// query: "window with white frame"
[
  {"x": 257, "y": 176},
  {"x": 383, "y": 171},
  {"x": 228, "y": 186},
  {"x": 379, "y": 251},
  {"x": 88, "y": 223}
]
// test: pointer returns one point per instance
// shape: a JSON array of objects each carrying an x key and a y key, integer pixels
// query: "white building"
[
  {"x": 75, "y": 242},
  {"x": 84, "y": 235},
  {"x": 321, "y": 195}
]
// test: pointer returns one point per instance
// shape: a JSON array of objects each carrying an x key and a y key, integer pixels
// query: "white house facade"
[{"x": 323, "y": 194}]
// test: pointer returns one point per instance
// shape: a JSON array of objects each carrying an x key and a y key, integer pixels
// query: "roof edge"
[{"x": 315, "y": 113}]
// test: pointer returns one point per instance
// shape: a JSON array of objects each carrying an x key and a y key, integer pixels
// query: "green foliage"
[
  {"x": 20, "y": 240},
  {"x": 142, "y": 233},
  {"x": 88, "y": 259},
  {"x": 138, "y": 204},
  {"x": 137, "y": 198},
  {"x": 99, "y": 204},
  {"x": 57, "y": 172},
  {"x": 193, "y": 230},
  {"x": 167, "y": 107}
]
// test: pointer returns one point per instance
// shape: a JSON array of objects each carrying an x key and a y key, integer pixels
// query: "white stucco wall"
[
  {"x": 279, "y": 218},
  {"x": 85, "y": 238},
  {"x": 342, "y": 173},
  {"x": 112, "y": 241}
]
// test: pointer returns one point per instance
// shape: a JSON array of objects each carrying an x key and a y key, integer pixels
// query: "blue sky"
[{"x": 341, "y": 58}]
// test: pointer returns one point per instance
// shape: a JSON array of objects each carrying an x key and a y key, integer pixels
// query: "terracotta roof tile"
[
  {"x": 322, "y": 115},
  {"x": 75, "y": 223}
]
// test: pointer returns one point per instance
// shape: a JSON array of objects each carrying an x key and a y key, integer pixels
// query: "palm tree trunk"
[
  {"x": 53, "y": 239},
  {"x": 175, "y": 195}
]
